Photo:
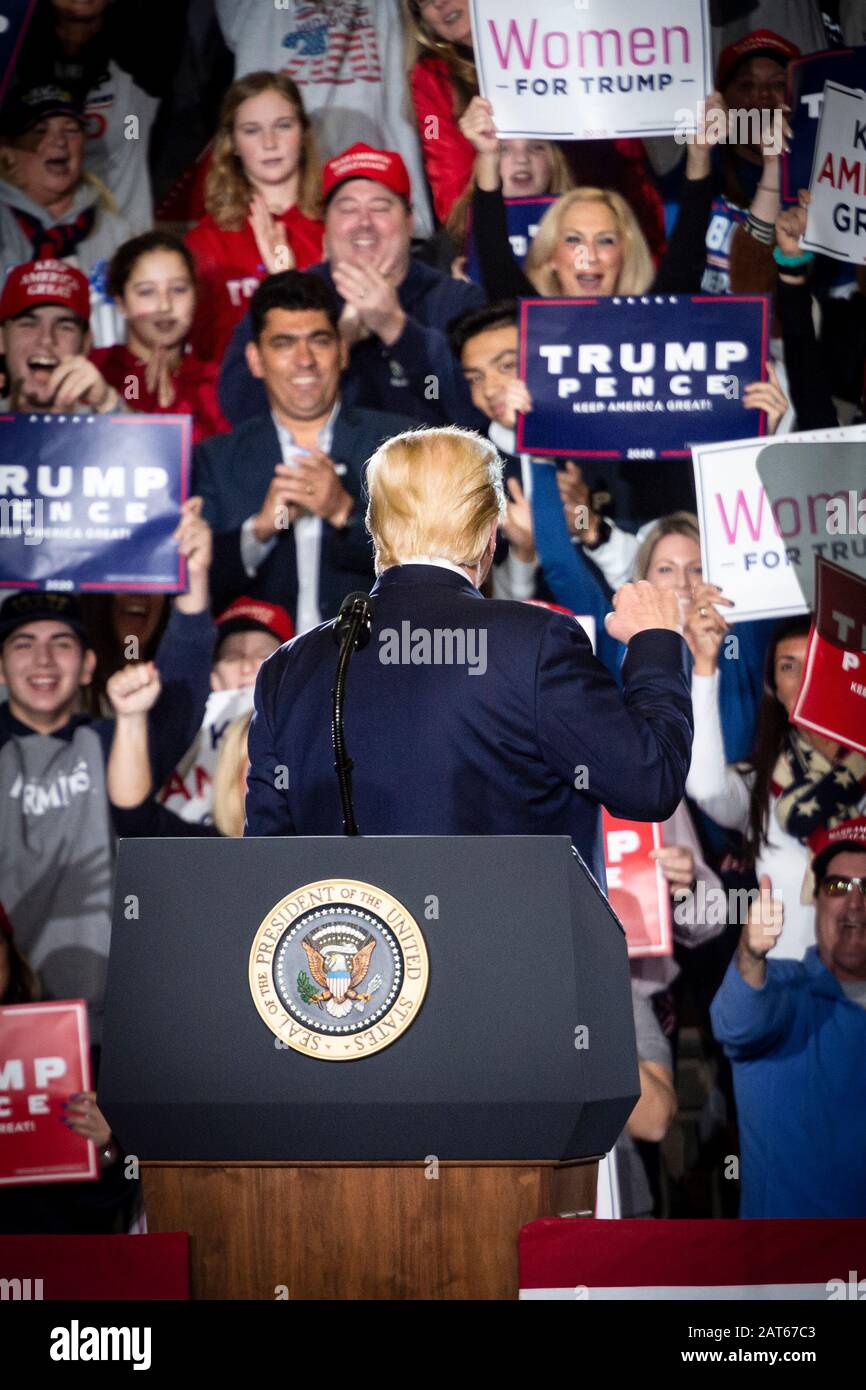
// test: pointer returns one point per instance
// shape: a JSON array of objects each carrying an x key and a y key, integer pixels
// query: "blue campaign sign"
[
  {"x": 640, "y": 376},
  {"x": 522, "y": 217},
  {"x": 806, "y": 78},
  {"x": 89, "y": 502},
  {"x": 15, "y": 15}
]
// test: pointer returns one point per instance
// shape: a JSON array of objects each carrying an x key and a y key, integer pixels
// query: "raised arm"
[
  {"x": 501, "y": 275},
  {"x": 636, "y": 744}
]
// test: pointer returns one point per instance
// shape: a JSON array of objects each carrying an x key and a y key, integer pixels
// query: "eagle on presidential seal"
[{"x": 339, "y": 972}]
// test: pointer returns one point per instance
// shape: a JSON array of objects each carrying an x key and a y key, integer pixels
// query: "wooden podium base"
[{"x": 356, "y": 1231}]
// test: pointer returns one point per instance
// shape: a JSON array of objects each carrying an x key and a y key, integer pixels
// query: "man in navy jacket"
[
  {"x": 283, "y": 491},
  {"x": 395, "y": 310},
  {"x": 466, "y": 716}
]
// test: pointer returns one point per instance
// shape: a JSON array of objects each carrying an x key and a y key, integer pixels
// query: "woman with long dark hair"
[{"x": 794, "y": 783}]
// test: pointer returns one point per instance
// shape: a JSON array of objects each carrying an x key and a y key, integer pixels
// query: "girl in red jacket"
[
  {"x": 443, "y": 81},
  {"x": 152, "y": 280},
  {"x": 262, "y": 199}
]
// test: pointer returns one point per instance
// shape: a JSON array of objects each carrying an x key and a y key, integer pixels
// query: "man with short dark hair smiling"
[
  {"x": 796, "y": 1034},
  {"x": 283, "y": 491}
]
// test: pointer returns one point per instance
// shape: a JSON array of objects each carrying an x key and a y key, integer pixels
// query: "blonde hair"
[
  {"x": 637, "y": 271},
  {"x": 227, "y": 190},
  {"x": 433, "y": 492},
  {"x": 677, "y": 524},
  {"x": 106, "y": 197},
  {"x": 228, "y": 785},
  {"x": 560, "y": 182}
]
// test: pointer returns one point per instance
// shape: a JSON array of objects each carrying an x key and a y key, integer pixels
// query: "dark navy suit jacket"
[
  {"x": 440, "y": 751},
  {"x": 232, "y": 473}
]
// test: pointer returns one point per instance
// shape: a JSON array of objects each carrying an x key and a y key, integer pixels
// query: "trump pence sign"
[{"x": 639, "y": 376}]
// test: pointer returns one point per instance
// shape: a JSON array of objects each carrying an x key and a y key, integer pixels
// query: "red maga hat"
[
  {"x": 824, "y": 843},
  {"x": 764, "y": 41},
  {"x": 45, "y": 282},
  {"x": 246, "y": 613},
  {"x": 362, "y": 162}
]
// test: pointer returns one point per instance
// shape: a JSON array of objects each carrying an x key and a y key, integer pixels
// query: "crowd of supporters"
[{"x": 258, "y": 216}]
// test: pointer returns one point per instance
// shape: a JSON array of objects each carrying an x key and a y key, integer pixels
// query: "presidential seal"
[{"x": 338, "y": 969}]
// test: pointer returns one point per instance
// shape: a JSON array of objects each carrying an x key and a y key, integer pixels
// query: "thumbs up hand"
[{"x": 765, "y": 921}]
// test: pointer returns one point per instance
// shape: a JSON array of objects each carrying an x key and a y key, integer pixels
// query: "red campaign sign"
[
  {"x": 832, "y": 696},
  {"x": 44, "y": 1058},
  {"x": 840, "y": 606},
  {"x": 636, "y": 887}
]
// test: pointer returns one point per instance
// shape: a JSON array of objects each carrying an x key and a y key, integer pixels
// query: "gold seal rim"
[{"x": 284, "y": 1031}]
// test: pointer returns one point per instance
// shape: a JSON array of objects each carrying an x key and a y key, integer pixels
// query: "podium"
[{"x": 354, "y": 1068}]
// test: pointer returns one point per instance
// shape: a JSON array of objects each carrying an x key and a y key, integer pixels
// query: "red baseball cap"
[
  {"x": 45, "y": 282},
  {"x": 824, "y": 843},
  {"x": 254, "y": 613},
  {"x": 760, "y": 41},
  {"x": 362, "y": 162}
]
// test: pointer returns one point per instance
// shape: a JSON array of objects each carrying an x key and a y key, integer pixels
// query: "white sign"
[
  {"x": 761, "y": 551},
  {"x": 570, "y": 71},
  {"x": 836, "y": 222}
]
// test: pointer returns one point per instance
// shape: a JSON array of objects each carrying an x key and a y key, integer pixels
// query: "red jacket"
[
  {"x": 229, "y": 266},
  {"x": 195, "y": 384},
  {"x": 449, "y": 157}
]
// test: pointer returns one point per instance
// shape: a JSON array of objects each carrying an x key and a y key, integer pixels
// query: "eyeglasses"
[{"x": 836, "y": 886}]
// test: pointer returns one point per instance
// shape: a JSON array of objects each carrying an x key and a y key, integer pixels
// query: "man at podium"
[{"x": 467, "y": 716}]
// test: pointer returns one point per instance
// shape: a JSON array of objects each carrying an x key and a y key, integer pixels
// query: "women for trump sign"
[
  {"x": 576, "y": 71},
  {"x": 639, "y": 376},
  {"x": 765, "y": 513}
]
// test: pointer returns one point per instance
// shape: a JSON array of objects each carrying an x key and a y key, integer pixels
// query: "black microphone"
[
  {"x": 351, "y": 633},
  {"x": 356, "y": 612}
]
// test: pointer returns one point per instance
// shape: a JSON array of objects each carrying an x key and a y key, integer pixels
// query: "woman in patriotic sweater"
[{"x": 262, "y": 200}]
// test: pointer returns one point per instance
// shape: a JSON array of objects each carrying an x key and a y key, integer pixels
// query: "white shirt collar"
[
  {"x": 325, "y": 436},
  {"x": 436, "y": 560}
]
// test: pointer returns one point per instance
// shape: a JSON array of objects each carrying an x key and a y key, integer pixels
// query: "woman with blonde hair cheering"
[
  {"x": 589, "y": 241},
  {"x": 262, "y": 200}
]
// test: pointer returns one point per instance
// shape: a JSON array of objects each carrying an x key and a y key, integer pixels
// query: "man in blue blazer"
[
  {"x": 394, "y": 308},
  {"x": 282, "y": 492},
  {"x": 468, "y": 716}
]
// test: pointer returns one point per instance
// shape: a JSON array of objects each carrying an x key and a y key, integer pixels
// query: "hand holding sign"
[
  {"x": 677, "y": 863},
  {"x": 194, "y": 541},
  {"x": 477, "y": 125},
  {"x": 642, "y": 607},
  {"x": 84, "y": 1117},
  {"x": 518, "y": 523},
  {"x": 704, "y": 627},
  {"x": 479, "y": 128},
  {"x": 769, "y": 397},
  {"x": 790, "y": 227}
]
